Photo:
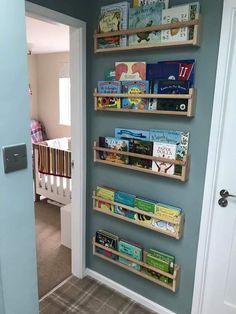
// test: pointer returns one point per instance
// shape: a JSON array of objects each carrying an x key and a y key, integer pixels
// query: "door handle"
[{"x": 224, "y": 195}]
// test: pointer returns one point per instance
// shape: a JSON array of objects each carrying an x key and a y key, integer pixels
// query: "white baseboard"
[{"x": 127, "y": 292}]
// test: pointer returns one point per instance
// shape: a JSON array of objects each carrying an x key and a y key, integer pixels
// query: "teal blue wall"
[
  {"x": 17, "y": 233},
  {"x": 186, "y": 195}
]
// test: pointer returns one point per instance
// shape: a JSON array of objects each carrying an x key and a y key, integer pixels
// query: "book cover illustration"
[
  {"x": 178, "y": 70},
  {"x": 174, "y": 15},
  {"x": 124, "y": 198},
  {"x": 123, "y": 212},
  {"x": 106, "y": 193},
  {"x": 135, "y": 87},
  {"x": 123, "y": 9},
  {"x": 172, "y": 104},
  {"x": 109, "y": 87},
  {"x": 141, "y": 147},
  {"x": 145, "y": 16},
  {"x": 164, "y": 150},
  {"x": 109, "y": 75},
  {"x": 139, "y": 3},
  {"x": 107, "y": 240},
  {"x": 107, "y": 207},
  {"x": 117, "y": 144},
  {"x": 130, "y": 71},
  {"x": 131, "y": 133},
  {"x": 172, "y": 87},
  {"x": 131, "y": 249},
  {"x": 109, "y": 22},
  {"x": 180, "y": 139}
]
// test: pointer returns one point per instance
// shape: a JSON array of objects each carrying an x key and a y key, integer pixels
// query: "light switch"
[{"x": 14, "y": 157}]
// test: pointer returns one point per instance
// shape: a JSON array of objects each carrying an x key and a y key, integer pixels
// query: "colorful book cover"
[
  {"x": 172, "y": 104},
  {"x": 109, "y": 87},
  {"x": 180, "y": 139},
  {"x": 139, "y": 3},
  {"x": 182, "y": 70},
  {"x": 123, "y": 9},
  {"x": 107, "y": 207},
  {"x": 106, "y": 193},
  {"x": 145, "y": 16},
  {"x": 165, "y": 210},
  {"x": 131, "y": 133},
  {"x": 130, "y": 71},
  {"x": 174, "y": 15},
  {"x": 172, "y": 87},
  {"x": 131, "y": 249},
  {"x": 109, "y": 22},
  {"x": 116, "y": 144},
  {"x": 109, "y": 102},
  {"x": 164, "y": 225},
  {"x": 107, "y": 240},
  {"x": 140, "y": 147},
  {"x": 135, "y": 87},
  {"x": 109, "y": 75},
  {"x": 123, "y": 212},
  {"x": 145, "y": 204},
  {"x": 124, "y": 198},
  {"x": 164, "y": 150}
]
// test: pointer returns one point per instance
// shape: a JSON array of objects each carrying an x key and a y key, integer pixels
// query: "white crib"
[{"x": 52, "y": 187}]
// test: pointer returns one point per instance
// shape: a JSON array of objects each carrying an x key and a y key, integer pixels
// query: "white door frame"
[
  {"x": 78, "y": 123},
  {"x": 217, "y": 124}
]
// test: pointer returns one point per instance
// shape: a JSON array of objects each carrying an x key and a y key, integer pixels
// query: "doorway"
[
  {"x": 215, "y": 277},
  {"x": 77, "y": 31}
]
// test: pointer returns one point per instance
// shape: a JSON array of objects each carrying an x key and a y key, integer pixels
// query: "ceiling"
[{"x": 46, "y": 37}]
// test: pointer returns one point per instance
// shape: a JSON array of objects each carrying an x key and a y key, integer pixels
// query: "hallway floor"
[
  {"x": 53, "y": 259},
  {"x": 88, "y": 296}
]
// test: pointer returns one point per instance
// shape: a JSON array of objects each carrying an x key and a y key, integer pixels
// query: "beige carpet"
[{"x": 54, "y": 259}]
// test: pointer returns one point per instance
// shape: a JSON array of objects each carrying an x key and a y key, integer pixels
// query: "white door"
[{"x": 220, "y": 281}]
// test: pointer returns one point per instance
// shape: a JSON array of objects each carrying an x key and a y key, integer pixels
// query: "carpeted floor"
[
  {"x": 54, "y": 259},
  {"x": 88, "y": 296}
]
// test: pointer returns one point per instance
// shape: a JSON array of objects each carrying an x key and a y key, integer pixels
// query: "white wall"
[{"x": 45, "y": 100}]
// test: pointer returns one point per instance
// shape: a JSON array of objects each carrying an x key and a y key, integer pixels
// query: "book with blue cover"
[
  {"x": 131, "y": 133},
  {"x": 172, "y": 87},
  {"x": 135, "y": 87},
  {"x": 109, "y": 87},
  {"x": 181, "y": 139},
  {"x": 145, "y": 16}
]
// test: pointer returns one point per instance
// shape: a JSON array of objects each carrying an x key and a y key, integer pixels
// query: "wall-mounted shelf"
[
  {"x": 181, "y": 177},
  {"x": 171, "y": 285},
  {"x": 179, "y": 221},
  {"x": 189, "y": 113},
  {"x": 192, "y": 42}
]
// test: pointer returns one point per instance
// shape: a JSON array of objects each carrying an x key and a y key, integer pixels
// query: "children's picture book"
[
  {"x": 123, "y": 212},
  {"x": 135, "y": 87},
  {"x": 172, "y": 87},
  {"x": 116, "y": 144},
  {"x": 109, "y": 74},
  {"x": 131, "y": 133},
  {"x": 124, "y": 198},
  {"x": 178, "y": 70},
  {"x": 176, "y": 14},
  {"x": 130, "y": 71},
  {"x": 109, "y": 87},
  {"x": 123, "y": 9},
  {"x": 108, "y": 240},
  {"x": 131, "y": 249},
  {"x": 172, "y": 104},
  {"x": 107, "y": 207},
  {"x": 106, "y": 193},
  {"x": 109, "y": 102},
  {"x": 164, "y": 150},
  {"x": 109, "y": 22},
  {"x": 194, "y": 10},
  {"x": 144, "y": 16},
  {"x": 178, "y": 138},
  {"x": 139, "y": 3},
  {"x": 141, "y": 147},
  {"x": 145, "y": 204}
]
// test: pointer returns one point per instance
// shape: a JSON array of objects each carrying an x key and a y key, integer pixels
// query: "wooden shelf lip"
[
  {"x": 171, "y": 286},
  {"x": 147, "y": 157},
  {"x": 147, "y": 29},
  {"x": 156, "y": 96},
  {"x": 162, "y": 112}
]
